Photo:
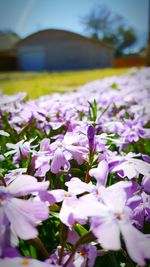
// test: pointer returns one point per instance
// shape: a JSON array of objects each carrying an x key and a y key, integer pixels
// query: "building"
[
  {"x": 8, "y": 56},
  {"x": 62, "y": 50}
]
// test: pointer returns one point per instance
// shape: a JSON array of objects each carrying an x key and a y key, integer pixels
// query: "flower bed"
[{"x": 75, "y": 175}]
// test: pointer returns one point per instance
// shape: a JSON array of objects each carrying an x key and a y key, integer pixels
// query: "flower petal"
[
  {"x": 76, "y": 186},
  {"x": 24, "y": 215},
  {"x": 59, "y": 161},
  {"x": 26, "y": 184},
  {"x": 108, "y": 234},
  {"x": 100, "y": 173},
  {"x": 136, "y": 242}
]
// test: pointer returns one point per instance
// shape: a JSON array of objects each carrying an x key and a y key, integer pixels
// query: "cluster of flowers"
[{"x": 75, "y": 175}]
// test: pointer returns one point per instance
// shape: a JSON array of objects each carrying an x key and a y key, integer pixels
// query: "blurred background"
[{"x": 49, "y": 36}]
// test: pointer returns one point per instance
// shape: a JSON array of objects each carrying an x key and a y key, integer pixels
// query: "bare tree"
[
  {"x": 100, "y": 21},
  {"x": 102, "y": 24}
]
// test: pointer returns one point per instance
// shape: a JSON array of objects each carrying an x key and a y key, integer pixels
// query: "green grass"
[{"x": 43, "y": 83}]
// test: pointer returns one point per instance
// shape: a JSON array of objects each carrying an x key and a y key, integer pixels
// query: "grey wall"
[{"x": 59, "y": 50}]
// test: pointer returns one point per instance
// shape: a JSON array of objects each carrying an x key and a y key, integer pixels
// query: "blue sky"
[{"x": 28, "y": 16}]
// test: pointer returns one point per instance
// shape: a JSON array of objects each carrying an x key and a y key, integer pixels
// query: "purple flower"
[
  {"x": 115, "y": 214},
  {"x": 69, "y": 210},
  {"x": 132, "y": 167},
  {"x": 11, "y": 253},
  {"x": 1, "y": 158},
  {"x": 4, "y": 133},
  {"x": 42, "y": 164},
  {"x": 42, "y": 158},
  {"x": 113, "y": 126},
  {"x": 77, "y": 187},
  {"x": 59, "y": 162},
  {"x": 133, "y": 130},
  {"x": 86, "y": 254},
  {"x": 91, "y": 135},
  {"x": 100, "y": 173},
  {"x": 137, "y": 244},
  {"x": 146, "y": 184},
  {"x": 45, "y": 145},
  {"x": 142, "y": 211},
  {"x": 110, "y": 217},
  {"x": 20, "y": 149},
  {"x": 13, "y": 174},
  {"x": 78, "y": 153},
  {"x": 19, "y": 262},
  {"x": 146, "y": 158},
  {"x": 65, "y": 150},
  {"x": 69, "y": 213},
  {"x": 23, "y": 215}
]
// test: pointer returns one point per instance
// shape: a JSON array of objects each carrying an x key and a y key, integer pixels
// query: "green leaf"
[
  {"x": 80, "y": 229},
  {"x": 92, "y": 116},
  {"x": 115, "y": 86},
  {"x": 33, "y": 252}
]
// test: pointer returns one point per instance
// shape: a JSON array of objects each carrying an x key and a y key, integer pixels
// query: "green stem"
[
  {"x": 87, "y": 177},
  {"x": 37, "y": 243},
  {"x": 63, "y": 238},
  {"x": 2, "y": 179},
  {"x": 88, "y": 237}
]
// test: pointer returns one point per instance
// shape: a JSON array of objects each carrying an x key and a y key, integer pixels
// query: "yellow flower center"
[
  {"x": 119, "y": 215},
  {"x": 83, "y": 252},
  {"x": 25, "y": 262},
  {"x": 1, "y": 200},
  {"x": 67, "y": 194}
]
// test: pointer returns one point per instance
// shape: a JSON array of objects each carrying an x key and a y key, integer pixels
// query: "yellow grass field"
[{"x": 43, "y": 83}]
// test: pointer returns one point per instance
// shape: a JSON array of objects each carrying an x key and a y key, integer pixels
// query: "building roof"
[
  {"x": 8, "y": 41},
  {"x": 51, "y": 31}
]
